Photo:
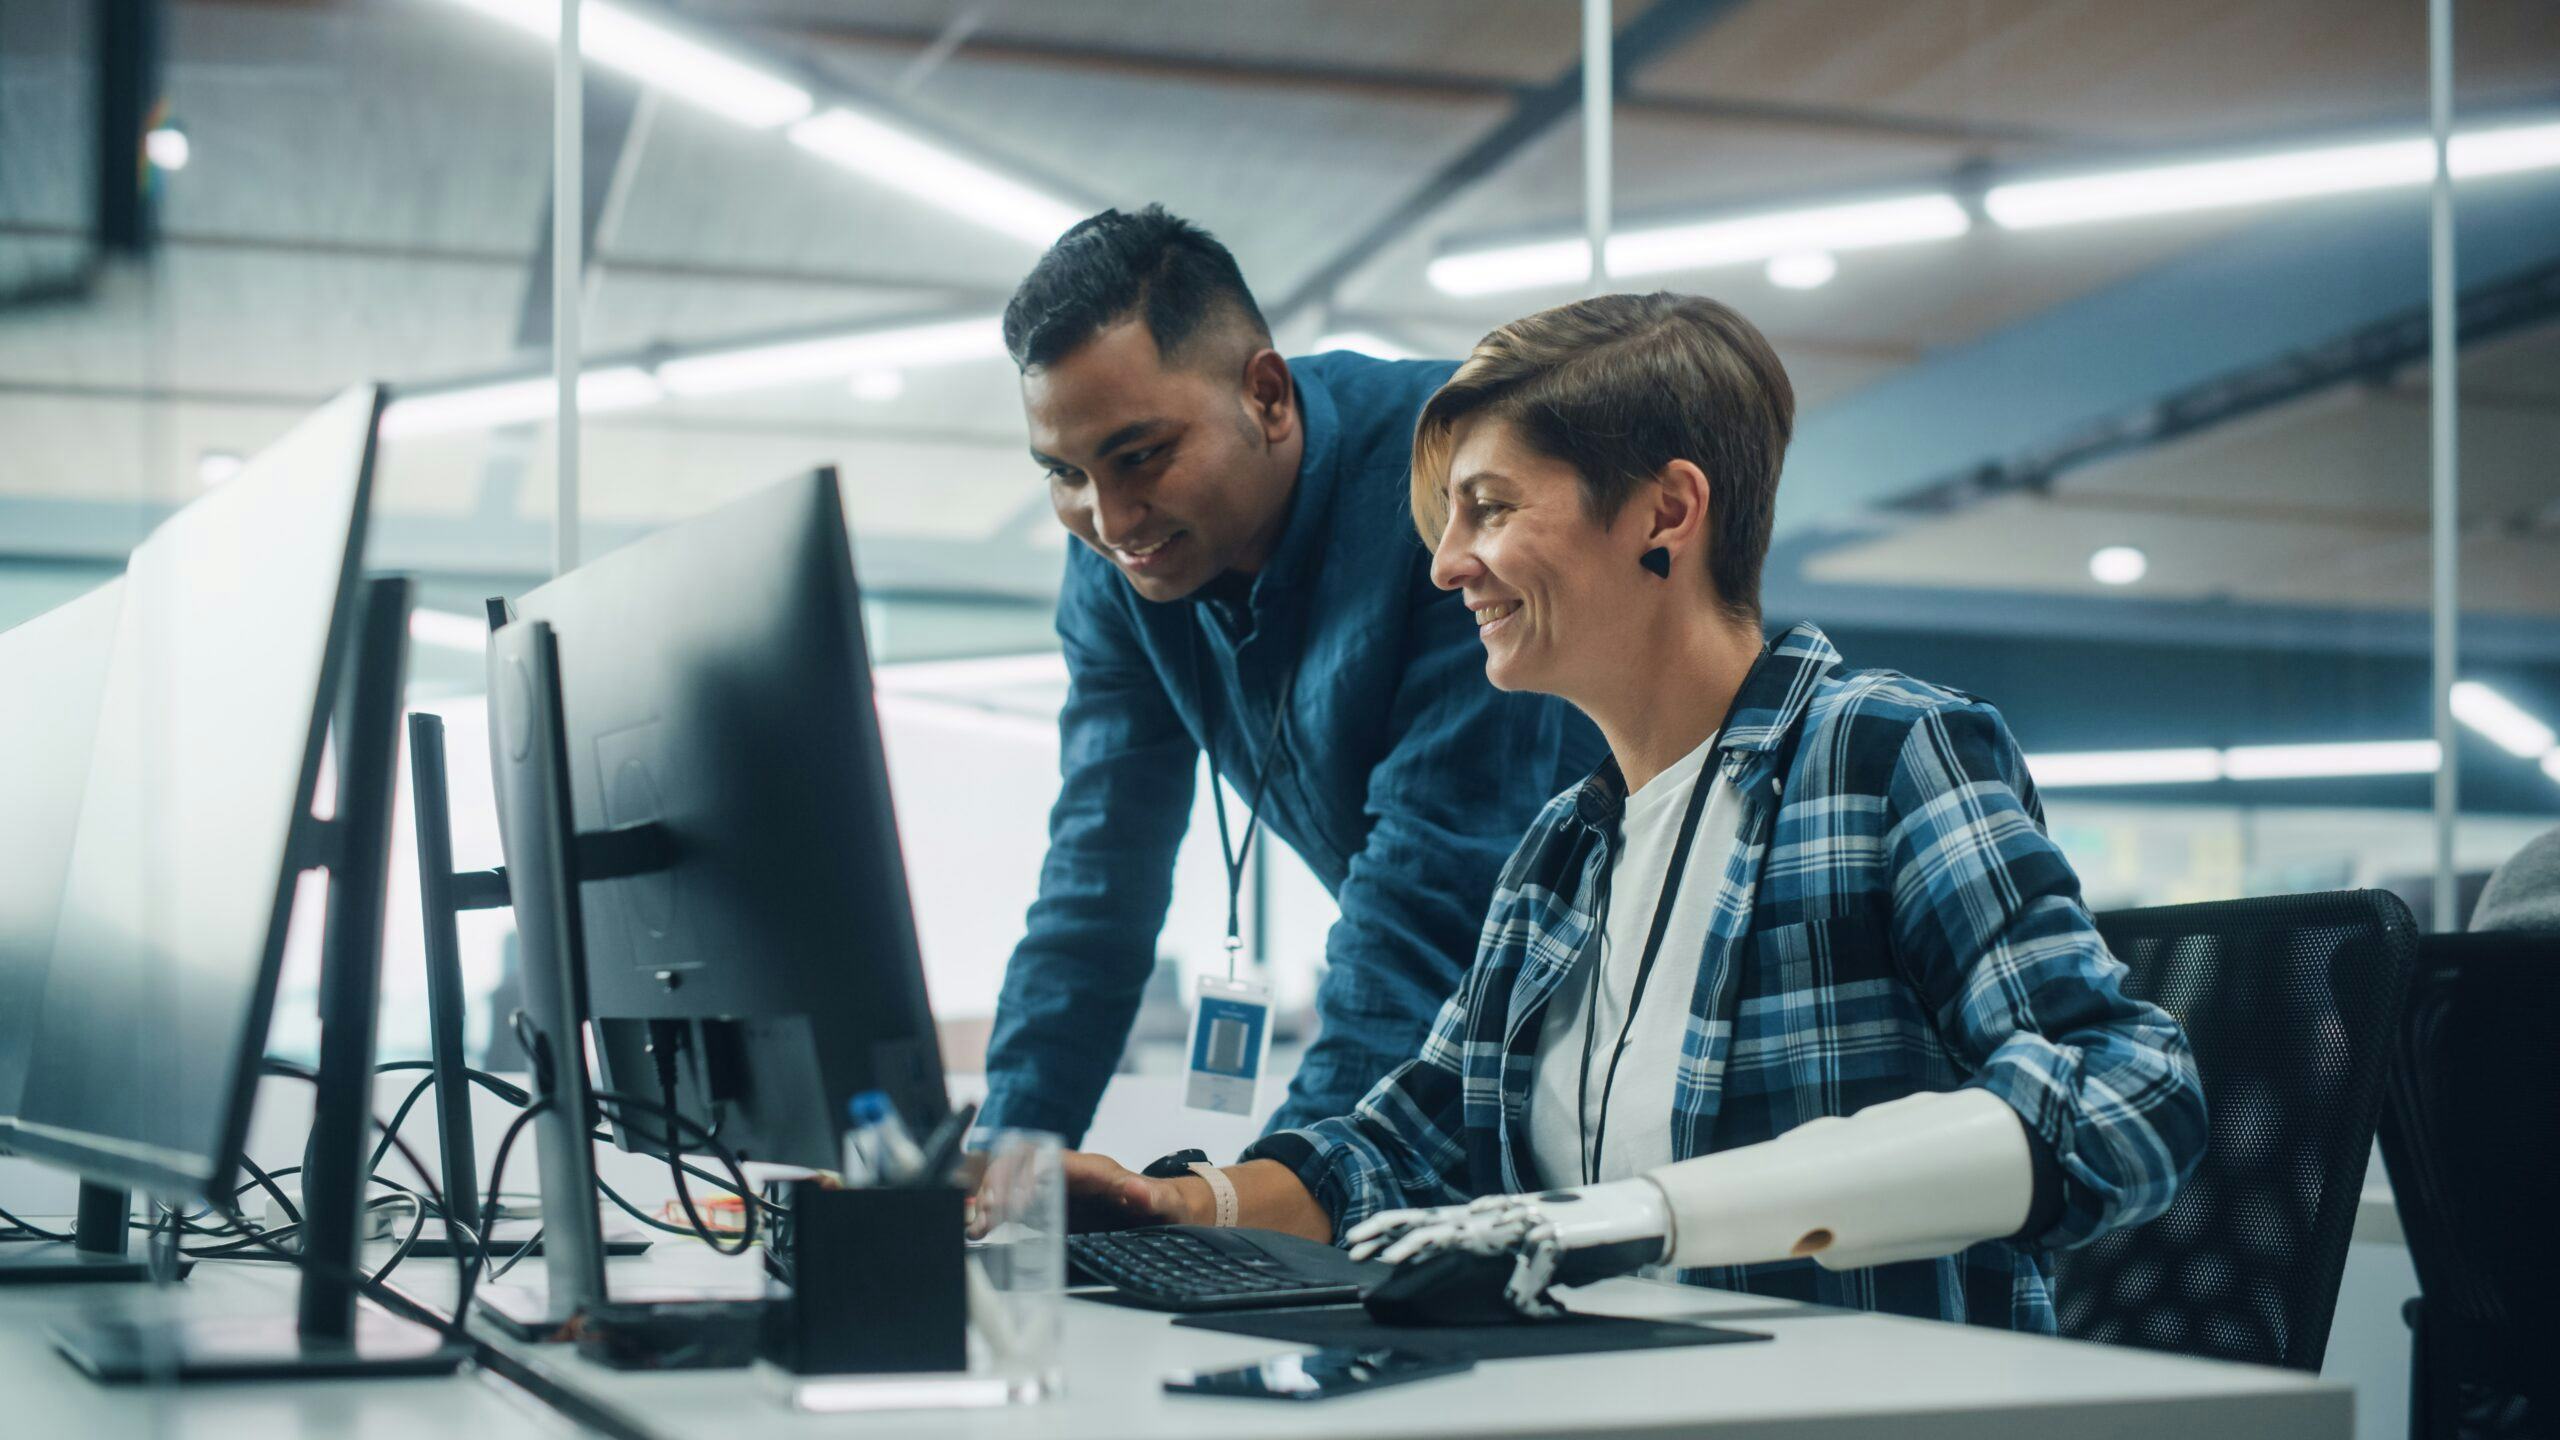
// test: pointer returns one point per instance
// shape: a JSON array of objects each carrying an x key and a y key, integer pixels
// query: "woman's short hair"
[{"x": 1617, "y": 387}]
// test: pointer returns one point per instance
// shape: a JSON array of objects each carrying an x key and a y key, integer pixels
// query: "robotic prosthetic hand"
[{"x": 1911, "y": 1179}]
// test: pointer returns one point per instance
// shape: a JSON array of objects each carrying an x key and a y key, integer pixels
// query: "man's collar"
[
  {"x": 1769, "y": 705},
  {"x": 1311, "y": 499}
]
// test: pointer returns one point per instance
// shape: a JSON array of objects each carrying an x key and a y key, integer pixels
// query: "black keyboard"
[{"x": 1197, "y": 1267}]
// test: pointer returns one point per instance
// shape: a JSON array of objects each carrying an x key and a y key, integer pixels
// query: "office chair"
[
  {"x": 2471, "y": 1137},
  {"x": 2291, "y": 1003}
]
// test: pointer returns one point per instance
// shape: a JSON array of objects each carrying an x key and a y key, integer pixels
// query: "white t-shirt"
[{"x": 1637, "y": 1137}]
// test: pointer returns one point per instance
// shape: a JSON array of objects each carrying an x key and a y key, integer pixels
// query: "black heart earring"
[{"x": 1657, "y": 560}]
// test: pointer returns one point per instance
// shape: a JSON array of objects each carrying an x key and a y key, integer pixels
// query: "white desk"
[
  {"x": 41, "y": 1395},
  {"x": 1827, "y": 1373}
]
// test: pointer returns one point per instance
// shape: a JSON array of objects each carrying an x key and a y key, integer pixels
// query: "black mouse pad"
[{"x": 1572, "y": 1335}]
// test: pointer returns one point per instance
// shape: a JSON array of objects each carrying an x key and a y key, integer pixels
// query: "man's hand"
[
  {"x": 1555, "y": 1237},
  {"x": 1103, "y": 1194}
]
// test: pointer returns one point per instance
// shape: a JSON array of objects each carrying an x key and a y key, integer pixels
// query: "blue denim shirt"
[{"x": 1404, "y": 779}]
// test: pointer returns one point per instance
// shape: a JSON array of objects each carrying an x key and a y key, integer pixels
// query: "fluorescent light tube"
[
  {"x": 2125, "y": 767},
  {"x": 879, "y": 151},
  {"x": 2323, "y": 762},
  {"x": 517, "y": 402},
  {"x": 1858, "y": 225},
  {"x": 1367, "y": 343},
  {"x": 835, "y": 357},
  {"x": 663, "y": 59},
  {"x": 2259, "y": 179},
  {"x": 2505, "y": 723},
  {"x": 445, "y": 630}
]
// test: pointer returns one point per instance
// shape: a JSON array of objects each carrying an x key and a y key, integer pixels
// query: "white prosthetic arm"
[{"x": 1911, "y": 1179}]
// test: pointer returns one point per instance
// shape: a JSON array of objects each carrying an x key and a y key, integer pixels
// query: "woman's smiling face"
[{"x": 1546, "y": 581}]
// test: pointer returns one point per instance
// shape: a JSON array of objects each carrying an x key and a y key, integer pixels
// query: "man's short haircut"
[
  {"x": 1617, "y": 387},
  {"x": 1115, "y": 265}
]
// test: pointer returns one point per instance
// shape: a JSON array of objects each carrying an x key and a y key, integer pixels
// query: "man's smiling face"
[{"x": 1163, "y": 468}]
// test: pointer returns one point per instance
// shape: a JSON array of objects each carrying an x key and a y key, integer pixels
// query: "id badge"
[{"x": 1230, "y": 1041}]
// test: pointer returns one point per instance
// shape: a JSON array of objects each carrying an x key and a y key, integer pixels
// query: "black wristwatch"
[{"x": 1176, "y": 1165}]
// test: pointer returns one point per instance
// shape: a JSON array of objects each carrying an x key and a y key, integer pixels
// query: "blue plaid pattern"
[{"x": 1894, "y": 919}]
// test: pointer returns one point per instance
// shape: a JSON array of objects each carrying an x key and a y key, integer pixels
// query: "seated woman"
[{"x": 1794, "y": 996}]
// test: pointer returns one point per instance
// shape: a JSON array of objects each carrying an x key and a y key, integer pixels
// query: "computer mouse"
[{"x": 1454, "y": 1287}]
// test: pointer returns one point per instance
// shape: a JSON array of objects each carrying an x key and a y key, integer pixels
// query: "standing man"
[{"x": 1248, "y": 584}]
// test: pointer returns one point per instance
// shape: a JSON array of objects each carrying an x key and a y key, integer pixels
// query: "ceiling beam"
[
  {"x": 1395, "y": 83},
  {"x": 615, "y": 135},
  {"x": 1660, "y": 28},
  {"x": 2278, "y": 289}
]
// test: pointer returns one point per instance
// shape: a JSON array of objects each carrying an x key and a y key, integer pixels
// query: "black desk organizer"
[{"x": 874, "y": 1281}]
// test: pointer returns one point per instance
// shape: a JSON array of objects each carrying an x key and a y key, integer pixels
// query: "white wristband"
[{"x": 1222, "y": 1189}]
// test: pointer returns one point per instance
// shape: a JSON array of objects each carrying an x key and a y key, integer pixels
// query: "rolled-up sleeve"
[{"x": 1988, "y": 917}]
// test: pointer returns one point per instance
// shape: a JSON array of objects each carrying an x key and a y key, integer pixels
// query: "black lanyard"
[
  {"x": 1237, "y": 856},
  {"x": 1698, "y": 788}
]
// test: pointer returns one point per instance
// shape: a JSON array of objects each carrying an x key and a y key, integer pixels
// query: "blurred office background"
[{"x": 2155, "y": 483}]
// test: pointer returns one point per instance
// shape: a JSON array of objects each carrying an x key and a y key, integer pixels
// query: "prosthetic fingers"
[{"x": 1911, "y": 1179}]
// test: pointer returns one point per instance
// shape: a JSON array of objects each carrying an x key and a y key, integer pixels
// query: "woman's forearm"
[{"x": 1269, "y": 1196}]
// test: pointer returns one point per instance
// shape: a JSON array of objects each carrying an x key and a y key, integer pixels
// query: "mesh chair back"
[
  {"x": 2471, "y": 1136},
  {"x": 2291, "y": 1003}
]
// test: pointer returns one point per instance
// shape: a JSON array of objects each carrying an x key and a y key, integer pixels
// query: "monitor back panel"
[
  {"x": 53, "y": 675},
  {"x": 194, "y": 823},
  {"x": 715, "y": 680}
]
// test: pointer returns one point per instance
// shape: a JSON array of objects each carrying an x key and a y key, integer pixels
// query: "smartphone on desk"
[{"x": 1319, "y": 1376}]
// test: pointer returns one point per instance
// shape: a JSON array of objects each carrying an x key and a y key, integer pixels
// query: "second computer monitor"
[
  {"x": 53, "y": 674},
  {"x": 714, "y": 681}
]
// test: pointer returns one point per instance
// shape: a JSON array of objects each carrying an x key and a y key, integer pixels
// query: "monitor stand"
[
  {"x": 99, "y": 1248},
  {"x": 331, "y": 1334}
]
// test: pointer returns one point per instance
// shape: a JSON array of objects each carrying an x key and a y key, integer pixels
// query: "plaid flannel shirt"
[{"x": 1892, "y": 919}]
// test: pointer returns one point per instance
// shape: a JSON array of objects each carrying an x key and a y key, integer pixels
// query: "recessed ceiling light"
[
  {"x": 878, "y": 385},
  {"x": 1803, "y": 269},
  {"x": 215, "y": 466},
  {"x": 167, "y": 148},
  {"x": 2118, "y": 565}
]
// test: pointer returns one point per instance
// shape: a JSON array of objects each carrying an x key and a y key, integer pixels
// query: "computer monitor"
[
  {"x": 243, "y": 630},
  {"x": 53, "y": 675},
  {"x": 194, "y": 823},
  {"x": 714, "y": 683}
]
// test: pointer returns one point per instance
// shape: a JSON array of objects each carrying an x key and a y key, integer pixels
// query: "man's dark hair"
[{"x": 1116, "y": 265}]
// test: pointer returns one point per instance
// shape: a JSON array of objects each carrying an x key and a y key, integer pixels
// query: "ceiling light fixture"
[
  {"x": 1803, "y": 269},
  {"x": 663, "y": 59},
  {"x": 517, "y": 402},
  {"x": 2118, "y": 565},
  {"x": 2551, "y": 765},
  {"x": 1367, "y": 342},
  {"x": 1731, "y": 240},
  {"x": 835, "y": 357},
  {"x": 903, "y": 161},
  {"x": 2200, "y": 765},
  {"x": 166, "y": 147},
  {"x": 2126, "y": 767},
  {"x": 215, "y": 466},
  {"x": 2504, "y": 722},
  {"x": 2262, "y": 179},
  {"x": 2330, "y": 762}
]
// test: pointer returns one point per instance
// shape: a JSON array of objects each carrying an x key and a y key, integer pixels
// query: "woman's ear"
[{"x": 1681, "y": 498}]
